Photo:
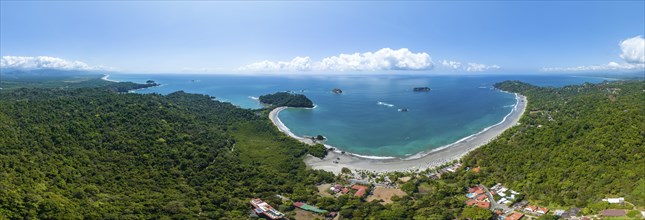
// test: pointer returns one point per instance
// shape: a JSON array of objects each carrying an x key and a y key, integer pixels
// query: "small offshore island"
[{"x": 421, "y": 89}]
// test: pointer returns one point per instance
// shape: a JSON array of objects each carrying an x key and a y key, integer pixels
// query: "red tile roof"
[
  {"x": 543, "y": 209},
  {"x": 482, "y": 197},
  {"x": 476, "y": 169},
  {"x": 514, "y": 216},
  {"x": 480, "y": 191},
  {"x": 360, "y": 190},
  {"x": 475, "y": 189},
  {"x": 484, "y": 205},
  {"x": 531, "y": 207},
  {"x": 345, "y": 190},
  {"x": 471, "y": 202}
]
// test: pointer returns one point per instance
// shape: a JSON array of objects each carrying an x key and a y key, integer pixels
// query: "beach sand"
[
  {"x": 432, "y": 159},
  {"x": 105, "y": 77}
]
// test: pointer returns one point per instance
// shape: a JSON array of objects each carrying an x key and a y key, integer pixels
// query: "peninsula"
[{"x": 285, "y": 99}]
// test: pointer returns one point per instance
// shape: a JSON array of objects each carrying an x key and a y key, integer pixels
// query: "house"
[
  {"x": 559, "y": 212},
  {"x": 476, "y": 169},
  {"x": 613, "y": 212},
  {"x": 542, "y": 210},
  {"x": 518, "y": 206},
  {"x": 614, "y": 200},
  {"x": 360, "y": 190},
  {"x": 514, "y": 216},
  {"x": 483, "y": 205},
  {"x": 471, "y": 202},
  {"x": 482, "y": 197},
  {"x": 530, "y": 208},
  {"x": 572, "y": 212},
  {"x": 477, "y": 190},
  {"x": 262, "y": 208},
  {"x": 344, "y": 190}
]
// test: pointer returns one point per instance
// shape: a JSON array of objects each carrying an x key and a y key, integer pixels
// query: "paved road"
[{"x": 493, "y": 204}]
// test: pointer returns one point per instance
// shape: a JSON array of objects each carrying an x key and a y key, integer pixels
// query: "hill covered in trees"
[
  {"x": 574, "y": 145},
  {"x": 286, "y": 99},
  {"x": 93, "y": 153}
]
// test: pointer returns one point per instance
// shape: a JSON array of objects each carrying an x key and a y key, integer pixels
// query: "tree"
[
  {"x": 548, "y": 217},
  {"x": 476, "y": 213}
]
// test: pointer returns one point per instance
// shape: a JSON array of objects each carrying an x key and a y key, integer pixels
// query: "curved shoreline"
[
  {"x": 419, "y": 161},
  {"x": 105, "y": 77}
]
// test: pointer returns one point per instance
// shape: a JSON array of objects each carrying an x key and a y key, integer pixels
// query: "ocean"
[{"x": 366, "y": 118}]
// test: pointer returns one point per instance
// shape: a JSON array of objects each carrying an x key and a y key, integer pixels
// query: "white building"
[{"x": 614, "y": 200}]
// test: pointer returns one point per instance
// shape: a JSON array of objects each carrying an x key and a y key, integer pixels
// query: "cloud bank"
[
  {"x": 45, "y": 62},
  {"x": 381, "y": 60},
  {"x": 468, "y": 67},
  {"x": 633, "y": 53}
]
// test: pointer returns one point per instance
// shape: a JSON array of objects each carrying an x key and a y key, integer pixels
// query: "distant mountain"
[{"x": 12, "y": 73}]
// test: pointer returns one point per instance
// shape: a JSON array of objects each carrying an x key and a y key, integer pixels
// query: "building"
[
  {"x": 613, "y": 212},
  {"x": 571, "y": 213},
  {"x": 614, "y": 200},
  {"x": 471, "y": 202},
  {"x": 310, "y": 208},
  {"x": 360, "y": 190},
  {"x": 483, "y": 205},
  {"x": 514, "y": 216},
  {"x": 482, "y": 197},
  {"x": 542, "y": 210},
  {"x": 530, "y": 208},
  {"x": 262, "y": 208}
]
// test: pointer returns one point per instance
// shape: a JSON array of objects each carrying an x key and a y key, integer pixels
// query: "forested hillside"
[
  {"x": 92, "y": 153},
  {"x": 575, "y": 144},
  {"x": 97, "y": 154},
  {"x": 286, "y": 99}
]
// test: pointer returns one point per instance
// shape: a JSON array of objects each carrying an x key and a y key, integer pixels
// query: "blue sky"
[{"x": 232, "y": 36}]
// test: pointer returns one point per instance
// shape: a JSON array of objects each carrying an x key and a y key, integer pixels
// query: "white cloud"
[
  {"x": 469, "y": 67},
  {"x": 383, "y": 59},
  {"x": 45, "y": 62},
  {"x": 633, "y": 53},
  {"x": 633, "y": 50},
  {"x": 297, "y": 64}
]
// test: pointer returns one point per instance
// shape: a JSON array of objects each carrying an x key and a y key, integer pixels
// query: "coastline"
[
  {"x": 105, "y": 77},
  {"x": 420, "y": 161}
]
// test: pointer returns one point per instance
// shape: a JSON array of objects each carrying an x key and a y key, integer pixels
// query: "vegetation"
[
  {"x": 287, "y": 99},
  {"x": 476, "y": 213},
  {"x": 72, "y": 153},
  {"x": 574, "y": 145},
  {"x": 92, "y": 153}
]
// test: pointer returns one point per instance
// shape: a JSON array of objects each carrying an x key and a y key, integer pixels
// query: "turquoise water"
[{"x": 365, "y": 119}]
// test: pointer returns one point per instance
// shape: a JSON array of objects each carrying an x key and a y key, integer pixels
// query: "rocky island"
[
  {"x": 285, "y": 99},
  {"x": 421, "y": 89},
  {"x": 337, "y": 91}
]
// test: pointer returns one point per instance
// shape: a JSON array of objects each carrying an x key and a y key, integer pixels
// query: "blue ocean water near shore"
[{"x": 365, "y": 119}]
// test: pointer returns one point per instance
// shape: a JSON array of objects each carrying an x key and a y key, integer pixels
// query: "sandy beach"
[
  {"x": 105, "y": 77},
  {"x": 420, "y": 161}
]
